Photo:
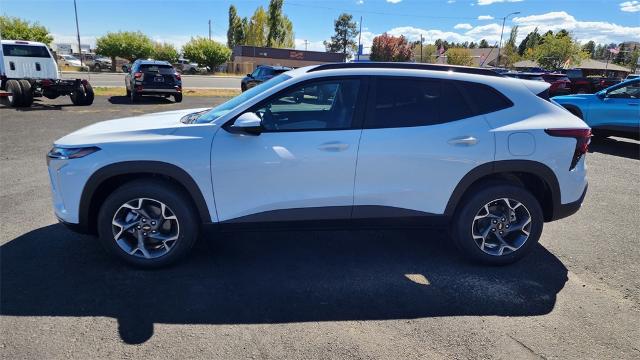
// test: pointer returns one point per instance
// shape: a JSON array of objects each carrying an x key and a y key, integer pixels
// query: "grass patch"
[{"x": 120, "y": 91}]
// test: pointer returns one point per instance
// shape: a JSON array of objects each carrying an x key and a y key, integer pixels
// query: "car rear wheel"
[
  {"x": 133, "y": 96},
  {"x": 148, "y": 223},
  {"x": 498, "y": 224},
  {"x": 177, "y": 98}
]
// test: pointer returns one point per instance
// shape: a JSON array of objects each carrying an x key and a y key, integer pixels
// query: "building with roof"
[
  {"x": 245, "y": 59},
  {"x": 590, "y": 67}
]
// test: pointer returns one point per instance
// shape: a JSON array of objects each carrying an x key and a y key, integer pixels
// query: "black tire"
[
  {"x": 13, "y": 87},
  {"x": 177, "y": 97},
  {"x": 78, "y": 95},
  {"x": 478, "y": 196},
  {"x": 89, "y": 95},
  {"x": 27, "y": 94},
  {"x": 173, "y": 197}
]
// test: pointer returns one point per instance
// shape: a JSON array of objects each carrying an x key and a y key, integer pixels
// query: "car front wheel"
[
  {"x": 148, "y": 223},
  {"x": 497, "y": 224}
]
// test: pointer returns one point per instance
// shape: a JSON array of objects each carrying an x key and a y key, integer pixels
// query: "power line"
[{"x": 379, "y": 12}]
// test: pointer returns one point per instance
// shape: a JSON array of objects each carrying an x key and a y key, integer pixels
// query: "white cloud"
[
  {"x": 73, "y": 39},
  {"x": 359, "y": 2},
  {"x": 450, "y": 1},
  {"x": 489, "y": 2},
  {"x": 485, "y": 17},
  {"x": 489, "y": 32},
  {"x": 463, "y": 26},
  {"x": 598, "y": 31},
  {"x": 630, "y": 6},
  {"x": 429, "y": 36},
  {"x": 393, "y": 1}
]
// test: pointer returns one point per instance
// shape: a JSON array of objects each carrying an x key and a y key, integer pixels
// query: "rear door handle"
[
  {"x": 463, "y": 141},
  {"x": 333, "y": 146}
]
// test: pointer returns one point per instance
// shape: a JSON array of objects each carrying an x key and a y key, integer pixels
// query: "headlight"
[{"x": 71, "y": 153}]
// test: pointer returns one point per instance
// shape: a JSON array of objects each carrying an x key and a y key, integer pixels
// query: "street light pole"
[
  {"x": 75, "y": 8},
  {"x": 359, "y": 39},
  {"x": 501, "y": 32}
]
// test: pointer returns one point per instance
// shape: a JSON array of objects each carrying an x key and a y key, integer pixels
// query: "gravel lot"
[{"x": 394, "y": 294}]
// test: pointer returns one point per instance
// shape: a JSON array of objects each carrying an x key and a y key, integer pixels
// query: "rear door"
[
  {"x": 158, "y": 76},
  {"x": 420, "y": 138}
]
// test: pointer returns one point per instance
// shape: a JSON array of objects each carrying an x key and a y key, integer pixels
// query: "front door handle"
[
  {"x": 463, "y": 141},
  {"x": 333, "y": 146}
]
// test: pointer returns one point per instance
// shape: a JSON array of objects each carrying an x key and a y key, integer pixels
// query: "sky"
[{"x": 176, "y": 21}]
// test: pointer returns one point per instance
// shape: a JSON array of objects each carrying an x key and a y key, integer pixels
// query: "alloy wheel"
[
  {"x": 501, "y": 226},
  {"x": 145, "y": 228}
]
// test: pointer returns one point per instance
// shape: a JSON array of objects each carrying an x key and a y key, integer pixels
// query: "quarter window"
[{"x": 313, "y": 106}]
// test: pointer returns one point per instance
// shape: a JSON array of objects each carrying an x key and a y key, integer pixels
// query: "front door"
[
  {"x": 302, "y": 165},
  {"x": 619, "y": 109}
]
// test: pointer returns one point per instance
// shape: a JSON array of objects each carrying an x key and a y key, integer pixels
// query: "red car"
[{"x": 560, "y": 84}]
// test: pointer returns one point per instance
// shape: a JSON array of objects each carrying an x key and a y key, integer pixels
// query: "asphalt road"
[
  {"x": 188, "y": 81},
  {"x": 366, "y": 294}
]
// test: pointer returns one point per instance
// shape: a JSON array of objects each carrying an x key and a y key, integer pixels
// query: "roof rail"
[{"x": 405, "y": 65}]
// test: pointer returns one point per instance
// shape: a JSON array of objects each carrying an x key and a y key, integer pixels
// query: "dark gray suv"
[{"x": 152, "y": 77}]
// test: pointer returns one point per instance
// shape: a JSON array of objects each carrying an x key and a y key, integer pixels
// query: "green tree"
[
  {"x": 428, "y": 54},
  {"x": 257, "y": 28},
  {"x": 275, "y": 22},
  {"x": 621, "y": 56},
  {"x": 234, "y": 30},
  {"x": 206, "y": 52},
  {"x": 554, "y": 52},
  {"x": 459, "y": 56},
  {"x": 13, "y": 28},
  {"x": 344, "y": 38},
  {"x": 125, "y": 44},
  {"x": 589, "y": 48},
  {"x": 483, "y": 44},
  {"x": 390, "y": 48},
  {"x": 510, "y": 49},
  {"x": 165, "y": 51}
]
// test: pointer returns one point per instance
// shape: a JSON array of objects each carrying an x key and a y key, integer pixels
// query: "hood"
[
  {"x": 574, "y": 98},
  {"x": 145, "y": 127}
]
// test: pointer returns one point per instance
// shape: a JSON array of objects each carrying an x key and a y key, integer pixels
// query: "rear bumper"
[
  {"x": 564, "y": 210},
  {"x": 158, "y": 91}
]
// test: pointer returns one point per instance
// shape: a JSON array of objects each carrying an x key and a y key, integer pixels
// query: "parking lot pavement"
[
  {"x": 188, "y": 81},
  {"x": 394, "y": 294}
]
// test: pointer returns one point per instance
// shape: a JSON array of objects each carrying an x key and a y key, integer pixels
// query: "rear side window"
[
  {"x": 416, "y": 102},
  {"x": 484, "y": 98},
  {"x": 25, "y": 51}
]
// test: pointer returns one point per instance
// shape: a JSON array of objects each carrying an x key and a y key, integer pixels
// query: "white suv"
[{"x": 490, "y": 155}]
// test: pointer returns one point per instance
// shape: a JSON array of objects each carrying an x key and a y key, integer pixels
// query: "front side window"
[
  {"x": 318, "y": 105},
  {"x": 630, "y": 91}
]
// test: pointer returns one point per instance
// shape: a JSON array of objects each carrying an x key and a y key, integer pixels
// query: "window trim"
[{"x": 358, "y": 112}]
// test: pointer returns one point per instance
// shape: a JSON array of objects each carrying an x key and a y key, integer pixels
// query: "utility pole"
[
  {"x": 359, "y": 40},
  {"x": 75, "y": 8},
  {"x": 502, "y": 31},
  {"x": 306, "y": 42},
  {"x": 421, "y": 60},
  {"x": 209, "y": 29}
]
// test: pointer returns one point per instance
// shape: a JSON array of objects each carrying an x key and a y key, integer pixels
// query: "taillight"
[
  {"x": 137, "y": 75},
  {"x": 583, "y": 139},
  {"x": 178, "y": 77}
]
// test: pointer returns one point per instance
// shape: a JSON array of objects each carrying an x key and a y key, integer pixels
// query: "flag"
[
  {"x": 440, "y": 50},
  {"x": 615, "y": 50}
]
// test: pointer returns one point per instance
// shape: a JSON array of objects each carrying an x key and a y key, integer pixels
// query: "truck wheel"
[
  {"x": 14, "y": 88},
  {"x": 177, "y": 98},
  {"x": 88, "y": 95},
  {"x": 77, "y": 96},
  {"x": 27, "y": 94}
]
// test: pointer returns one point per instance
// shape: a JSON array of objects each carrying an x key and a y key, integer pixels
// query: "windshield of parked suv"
[
  {"x": 25, "y": 50},
  {"x": 225, "y": 107}
]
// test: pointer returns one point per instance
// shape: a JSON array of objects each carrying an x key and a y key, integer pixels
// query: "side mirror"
[
  {"x": 249, "y": 75},
  {"x": 601, "y": 94},
  {"x": 247, "y": 123}
]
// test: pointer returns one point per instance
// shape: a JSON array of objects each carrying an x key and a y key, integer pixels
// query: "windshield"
[
  {"x": 162, "y": 69},
  {"x": 225, "y": 107}
]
